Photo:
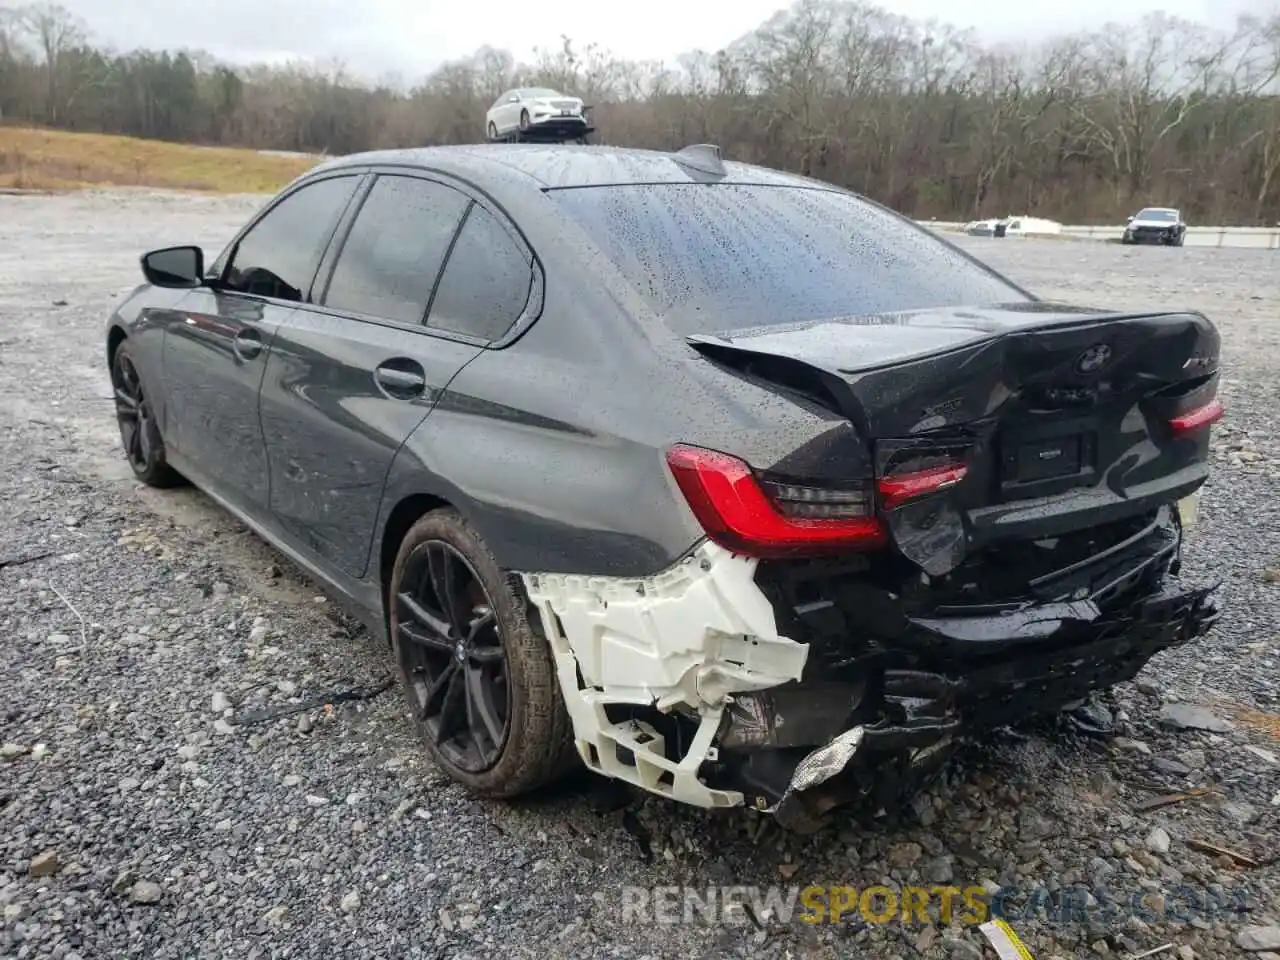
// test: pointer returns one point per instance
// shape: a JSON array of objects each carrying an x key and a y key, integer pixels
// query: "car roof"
[{"x": 554, "y": 166}]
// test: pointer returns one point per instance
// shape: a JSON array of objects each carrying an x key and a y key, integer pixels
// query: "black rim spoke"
[
  {"x": 478, "y": 624},
  {"x": 133, "y": 415},
  {"x": 454, "y": 697},
  {"x": 486, "y": 655},
  {"x": 438, "y": 630},
  {"x": 126, "y": 404},
  {"x": 130, "y": 432},
  {"x": 442, "y": 571},
  {"x": 451, "y": 649},
  {"x": 480, "y": 711},
  {"x": 415, "y": 634},
  {"x": 483, "y": 643},
  {"x": 144, "y": 435},
  {"x": 431, "y": 703}
]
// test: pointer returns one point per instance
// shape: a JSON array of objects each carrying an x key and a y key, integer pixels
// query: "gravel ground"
[{"x": 151, "y": 805}]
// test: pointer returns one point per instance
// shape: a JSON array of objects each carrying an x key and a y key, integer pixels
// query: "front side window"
[
  {"x": 392, "y": 257},
  {"x": 712, "y": 258},
  {"x": 486, "y": 282},
  {"x": 279, "y": 254}
]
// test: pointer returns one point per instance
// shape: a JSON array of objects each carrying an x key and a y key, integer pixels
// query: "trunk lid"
[{"x": 1060, "y": 414}]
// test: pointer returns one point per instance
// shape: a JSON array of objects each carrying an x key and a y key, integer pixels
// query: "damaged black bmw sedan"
[{"x": 726, "y": 483}]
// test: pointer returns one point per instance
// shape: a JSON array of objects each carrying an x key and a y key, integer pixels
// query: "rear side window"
[
  {"x": 486, "y": 282},
  {"x": 392, "y": 256},
  {"x": 279, "y": 254},
  {"x": 720, "y": 257}
]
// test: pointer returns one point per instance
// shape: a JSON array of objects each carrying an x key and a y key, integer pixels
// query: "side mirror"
[
  {"x": 174, "y": 267},
  {"x": 1129, "y": 219}
]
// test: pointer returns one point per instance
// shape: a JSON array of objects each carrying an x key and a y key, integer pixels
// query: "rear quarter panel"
[{"x": 554, "y": 446}]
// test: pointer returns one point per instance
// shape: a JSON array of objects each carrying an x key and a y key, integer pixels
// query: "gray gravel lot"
[{"x": 148, "y": 810}]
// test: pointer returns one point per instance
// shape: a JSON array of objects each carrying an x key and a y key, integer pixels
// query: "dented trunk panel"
[
  {"x": 918, "y": 370},
  {"x": 1059, "y": 414}
]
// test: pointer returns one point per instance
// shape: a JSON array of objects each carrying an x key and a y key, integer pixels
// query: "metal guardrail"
[{"x": 1258, "y": 238}]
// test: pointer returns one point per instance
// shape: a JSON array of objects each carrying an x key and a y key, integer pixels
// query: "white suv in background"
[{"x": 535, "y": 110}]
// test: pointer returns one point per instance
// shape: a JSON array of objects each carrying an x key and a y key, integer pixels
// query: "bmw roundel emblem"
[{"x": 1093, "y": 359}]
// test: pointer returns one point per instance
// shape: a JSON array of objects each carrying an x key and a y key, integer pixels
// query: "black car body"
[
  {"x": 734, "y": 485},
  {"x": 1160, "y": 225}
]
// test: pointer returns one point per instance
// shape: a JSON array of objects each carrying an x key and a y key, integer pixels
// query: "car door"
[
  {"x": 349, "y": 379},
  {"x": 217, "y": 342},
  {"x": 511, "y": 111},
  {"x": 500, "y": 112}
]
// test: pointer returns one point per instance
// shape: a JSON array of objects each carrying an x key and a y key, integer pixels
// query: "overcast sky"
[{"x": 378, "y": 37}]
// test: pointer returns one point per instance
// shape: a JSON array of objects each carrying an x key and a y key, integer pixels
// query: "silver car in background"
[
  {"x": 1163, "y": 225},
  {"x": 538, "y": 110}
]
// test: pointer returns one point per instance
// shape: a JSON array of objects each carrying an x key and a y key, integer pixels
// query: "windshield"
[
  {"x": 541, "y": 93},
  {"x": 1154, "y": 213},
  {"x": 719, "y": 257}
]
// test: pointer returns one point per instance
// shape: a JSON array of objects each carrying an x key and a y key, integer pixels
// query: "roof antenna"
[{"x": 703, "y": 157}]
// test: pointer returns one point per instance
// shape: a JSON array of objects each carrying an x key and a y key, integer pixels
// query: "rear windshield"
[{"x": 722, "y": 257}]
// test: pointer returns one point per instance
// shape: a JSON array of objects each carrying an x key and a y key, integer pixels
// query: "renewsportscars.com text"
[{"x": 732, "y": 905}]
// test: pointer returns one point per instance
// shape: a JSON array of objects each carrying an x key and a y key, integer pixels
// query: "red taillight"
[
  {"x": 897, "y": 490},
  {"x": 1198, "y": 419},
  {"x": 736, "y": 512}
]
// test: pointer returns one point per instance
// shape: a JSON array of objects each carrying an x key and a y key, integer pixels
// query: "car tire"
[
  {"x": 536, "y": 743},
  {"x": 524, "y": 119},
  {"x": 493, "y": 130},
  {"x": 139, "y": 432}
]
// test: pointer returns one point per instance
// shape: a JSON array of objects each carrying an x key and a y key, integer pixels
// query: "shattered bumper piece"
[
  {"x": 932, "y": 711},
  {"x": 684, "y": 639}
]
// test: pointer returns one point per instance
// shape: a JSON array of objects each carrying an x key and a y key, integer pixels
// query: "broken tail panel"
[{"x": 1041, "y": 419}]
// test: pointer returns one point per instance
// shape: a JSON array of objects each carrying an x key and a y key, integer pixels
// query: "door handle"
[
  {"x": 401, "y": 379},
  {"x": 247, "y": 344}
]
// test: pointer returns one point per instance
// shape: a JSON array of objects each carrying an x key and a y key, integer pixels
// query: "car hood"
[{"x": 1153, "y": 223}]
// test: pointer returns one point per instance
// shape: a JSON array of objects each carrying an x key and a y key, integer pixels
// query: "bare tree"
[
  {"x": 920, "y": 115},
  {"x": 57, "y": 31}
]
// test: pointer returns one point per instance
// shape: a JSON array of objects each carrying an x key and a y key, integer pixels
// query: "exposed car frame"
[{"x": 788, "y": 566}]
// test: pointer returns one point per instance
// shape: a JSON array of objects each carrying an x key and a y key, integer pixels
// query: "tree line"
[{"x": 919, "y": 115}]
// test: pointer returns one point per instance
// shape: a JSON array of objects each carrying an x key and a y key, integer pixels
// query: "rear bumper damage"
[
  {"x": 1078, "y": 650},
  {"x": 723, "y": 682}
]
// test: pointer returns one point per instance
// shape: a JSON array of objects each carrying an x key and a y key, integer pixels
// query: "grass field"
[{"x": 32, "y": 159}]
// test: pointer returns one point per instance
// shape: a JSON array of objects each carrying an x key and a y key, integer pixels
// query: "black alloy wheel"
[
  {"x": 453, "y": 656},
  {"x": 139, "y": 432},
  {"x": 478, "y": 672}
]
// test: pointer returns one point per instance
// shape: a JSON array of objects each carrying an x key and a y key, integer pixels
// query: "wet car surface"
[{"x": 728, "y": 484}]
